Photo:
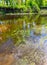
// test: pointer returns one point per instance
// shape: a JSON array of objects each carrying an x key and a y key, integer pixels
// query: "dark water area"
[{"x": 25, "y": 38}]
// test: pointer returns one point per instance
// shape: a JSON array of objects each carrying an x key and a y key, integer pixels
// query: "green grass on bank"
[{"x": 26, "y": 5}]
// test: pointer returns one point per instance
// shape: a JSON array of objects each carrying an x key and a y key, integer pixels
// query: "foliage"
[{"x": 24, "y": 4}]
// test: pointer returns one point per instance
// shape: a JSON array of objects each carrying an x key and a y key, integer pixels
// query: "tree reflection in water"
[{"x": 26, "y": 39}]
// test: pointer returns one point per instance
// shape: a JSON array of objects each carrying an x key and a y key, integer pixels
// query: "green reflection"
[{"x": 20, "y": 27}]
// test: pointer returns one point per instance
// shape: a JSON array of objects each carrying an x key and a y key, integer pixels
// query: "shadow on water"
[{"x": 7, "y": 46}]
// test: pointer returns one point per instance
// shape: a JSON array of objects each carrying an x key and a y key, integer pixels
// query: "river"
[{"x": 24, "y": 40}]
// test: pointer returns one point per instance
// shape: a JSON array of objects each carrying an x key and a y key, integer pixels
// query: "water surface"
[{"x": 24, "y": 40}]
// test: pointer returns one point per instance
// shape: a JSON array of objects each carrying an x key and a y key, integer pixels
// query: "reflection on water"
[{"x": 25, "y": 36}]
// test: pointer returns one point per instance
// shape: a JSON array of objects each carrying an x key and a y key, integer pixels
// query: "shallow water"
[{"x": 24, "y": 40}]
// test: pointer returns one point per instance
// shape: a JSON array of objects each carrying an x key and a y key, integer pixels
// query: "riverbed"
[{"x": 23, "y": 40}]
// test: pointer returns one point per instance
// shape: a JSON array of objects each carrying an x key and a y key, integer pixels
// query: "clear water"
[{"x": 24, "y": 40}]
